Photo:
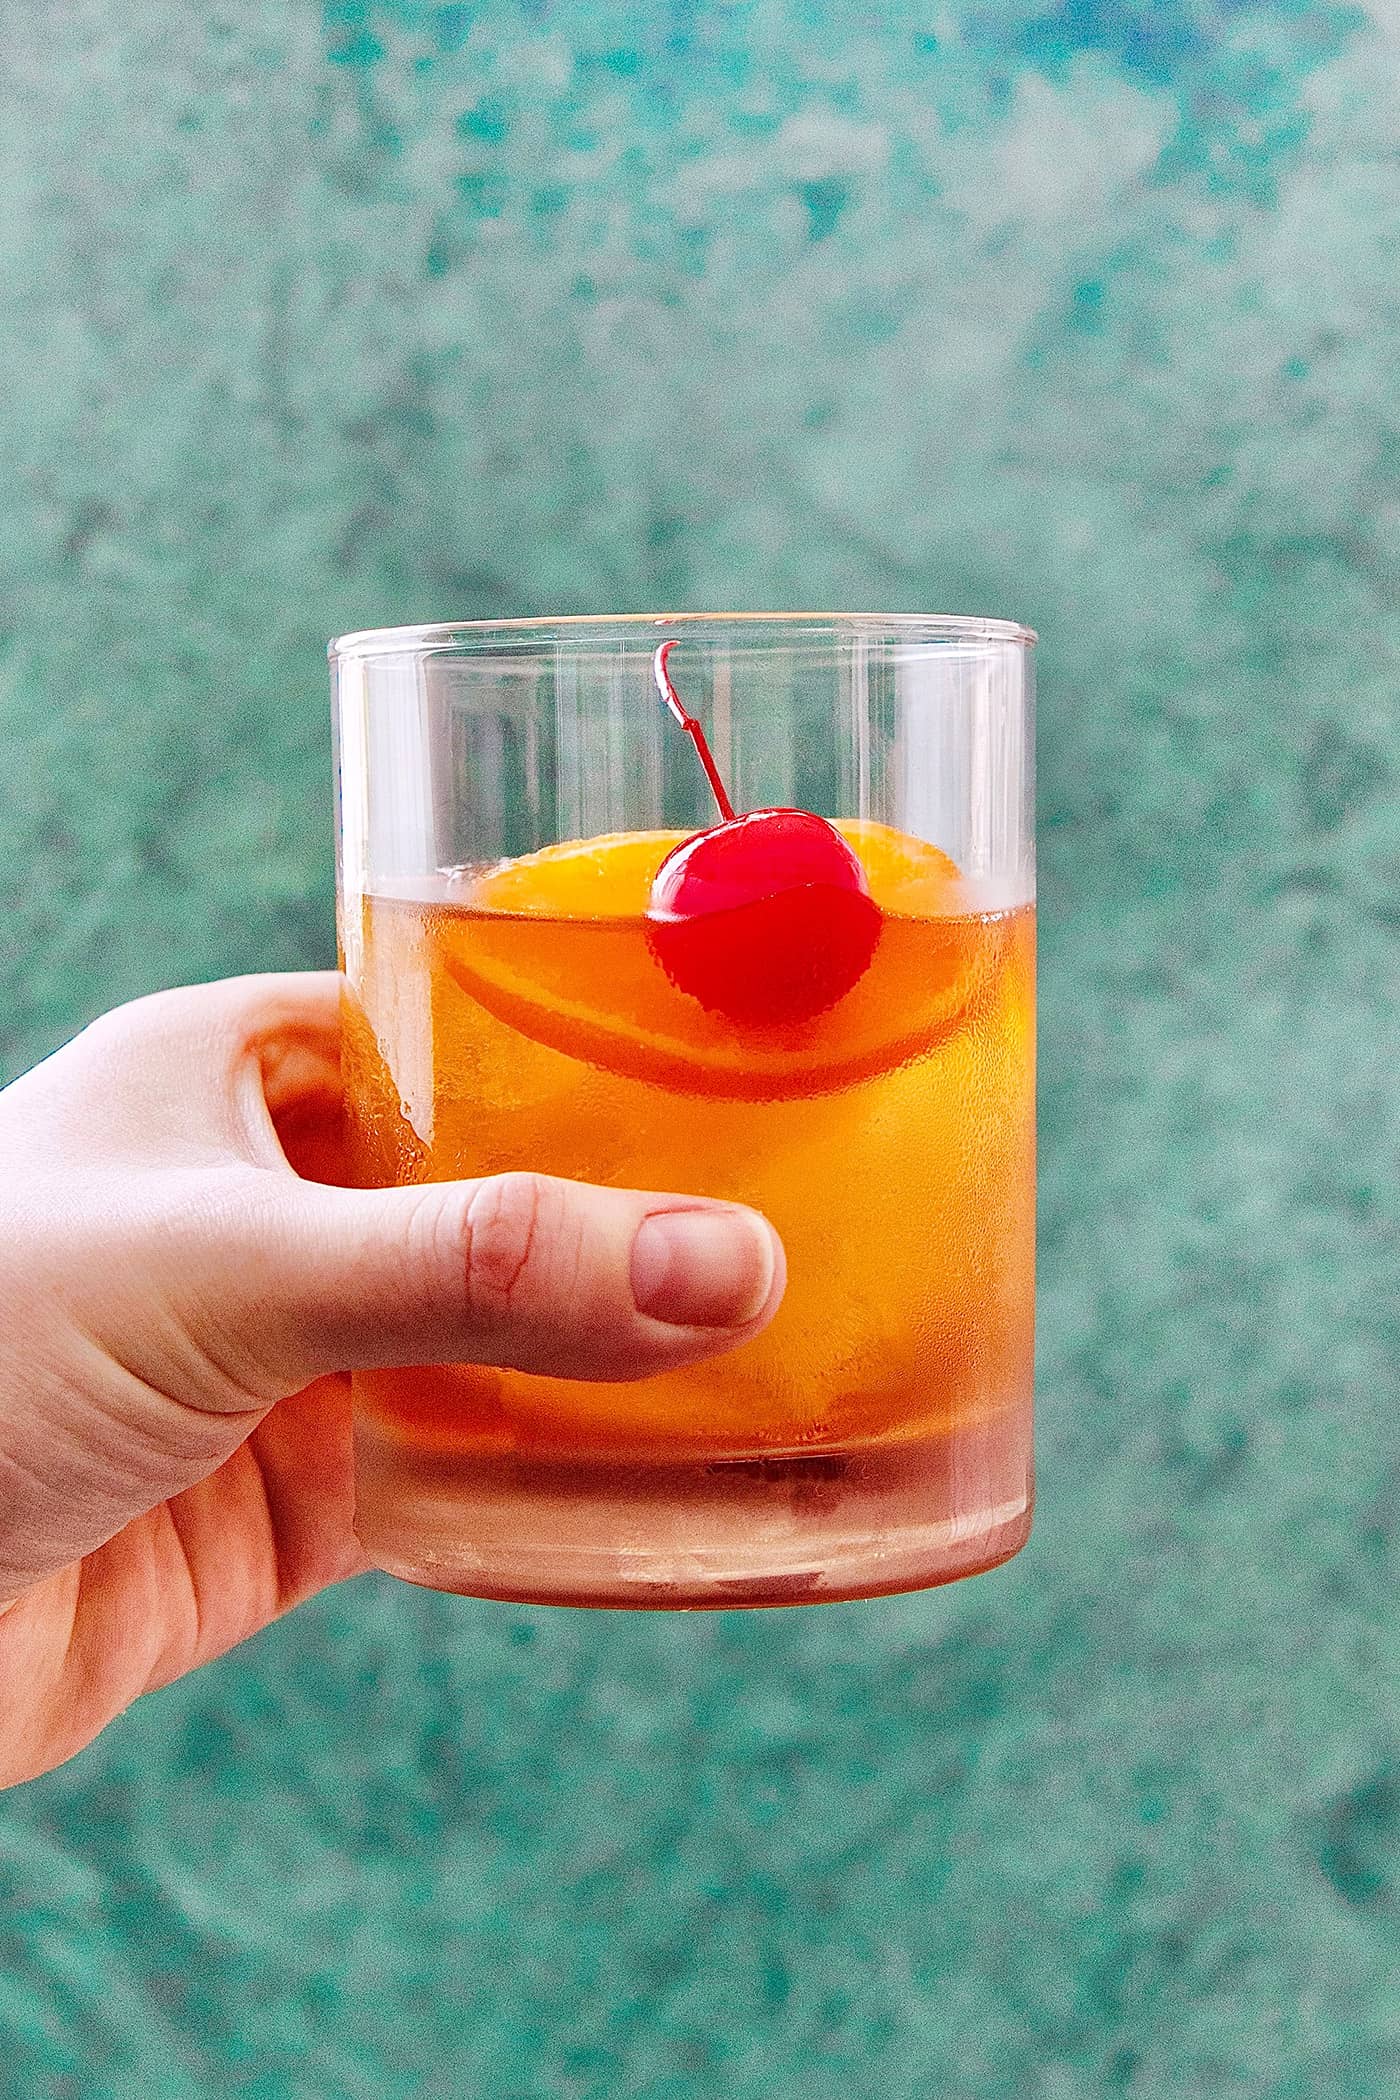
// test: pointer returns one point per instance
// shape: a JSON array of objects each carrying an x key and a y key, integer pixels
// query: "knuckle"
[
  {"x": 156, "y": 1016},
  {"x": 505, "y": 1226}
]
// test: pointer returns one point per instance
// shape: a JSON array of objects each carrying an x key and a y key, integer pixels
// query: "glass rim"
[{"x": 416, "y": 640}]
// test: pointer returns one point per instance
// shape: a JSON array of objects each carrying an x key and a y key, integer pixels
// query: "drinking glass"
[{"x": 507, "y": 794}]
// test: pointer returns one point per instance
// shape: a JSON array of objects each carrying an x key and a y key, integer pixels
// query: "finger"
[
  {"x": 192, "y": 1076},
  {"x": 520, "y": 1271},
  {"x": 179, "y": 1584}
]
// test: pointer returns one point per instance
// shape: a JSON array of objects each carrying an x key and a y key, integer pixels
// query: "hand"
[{"x": 179, "y": 1308}]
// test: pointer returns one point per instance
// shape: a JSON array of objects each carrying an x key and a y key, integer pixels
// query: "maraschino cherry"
[{"x": 766, "y": 918}]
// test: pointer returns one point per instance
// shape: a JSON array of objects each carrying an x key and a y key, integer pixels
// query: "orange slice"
[
  {"x": 603, "y": 878},
  {"x": 906, "y": 875},
  {"x": 554, "y": 946}
]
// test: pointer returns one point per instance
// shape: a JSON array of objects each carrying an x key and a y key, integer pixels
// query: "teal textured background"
[{"x": 1083, "y": 313}]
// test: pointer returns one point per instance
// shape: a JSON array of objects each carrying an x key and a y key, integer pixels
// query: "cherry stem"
[{"x": 671, "y": 699}]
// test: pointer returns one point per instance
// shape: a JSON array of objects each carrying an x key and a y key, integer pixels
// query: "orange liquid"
[{"x": 890, "y": 1141}]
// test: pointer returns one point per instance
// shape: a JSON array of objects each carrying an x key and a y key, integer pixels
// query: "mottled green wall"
[{"x": 1080, "y": 312}]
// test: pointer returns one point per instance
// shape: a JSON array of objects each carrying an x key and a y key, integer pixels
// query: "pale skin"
[{"x": 185, "y": 1288}]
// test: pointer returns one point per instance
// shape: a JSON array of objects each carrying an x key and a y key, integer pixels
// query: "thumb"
[{"x": 520, "y": 1271}]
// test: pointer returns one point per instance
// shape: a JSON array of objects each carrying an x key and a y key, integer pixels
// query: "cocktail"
[{"x": 558, "y": 957}]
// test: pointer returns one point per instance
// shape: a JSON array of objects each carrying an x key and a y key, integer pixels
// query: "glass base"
[{"x": 817, "y": 1528}]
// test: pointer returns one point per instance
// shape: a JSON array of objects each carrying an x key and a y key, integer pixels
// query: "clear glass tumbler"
[{"x": 850, "y": 1049}]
